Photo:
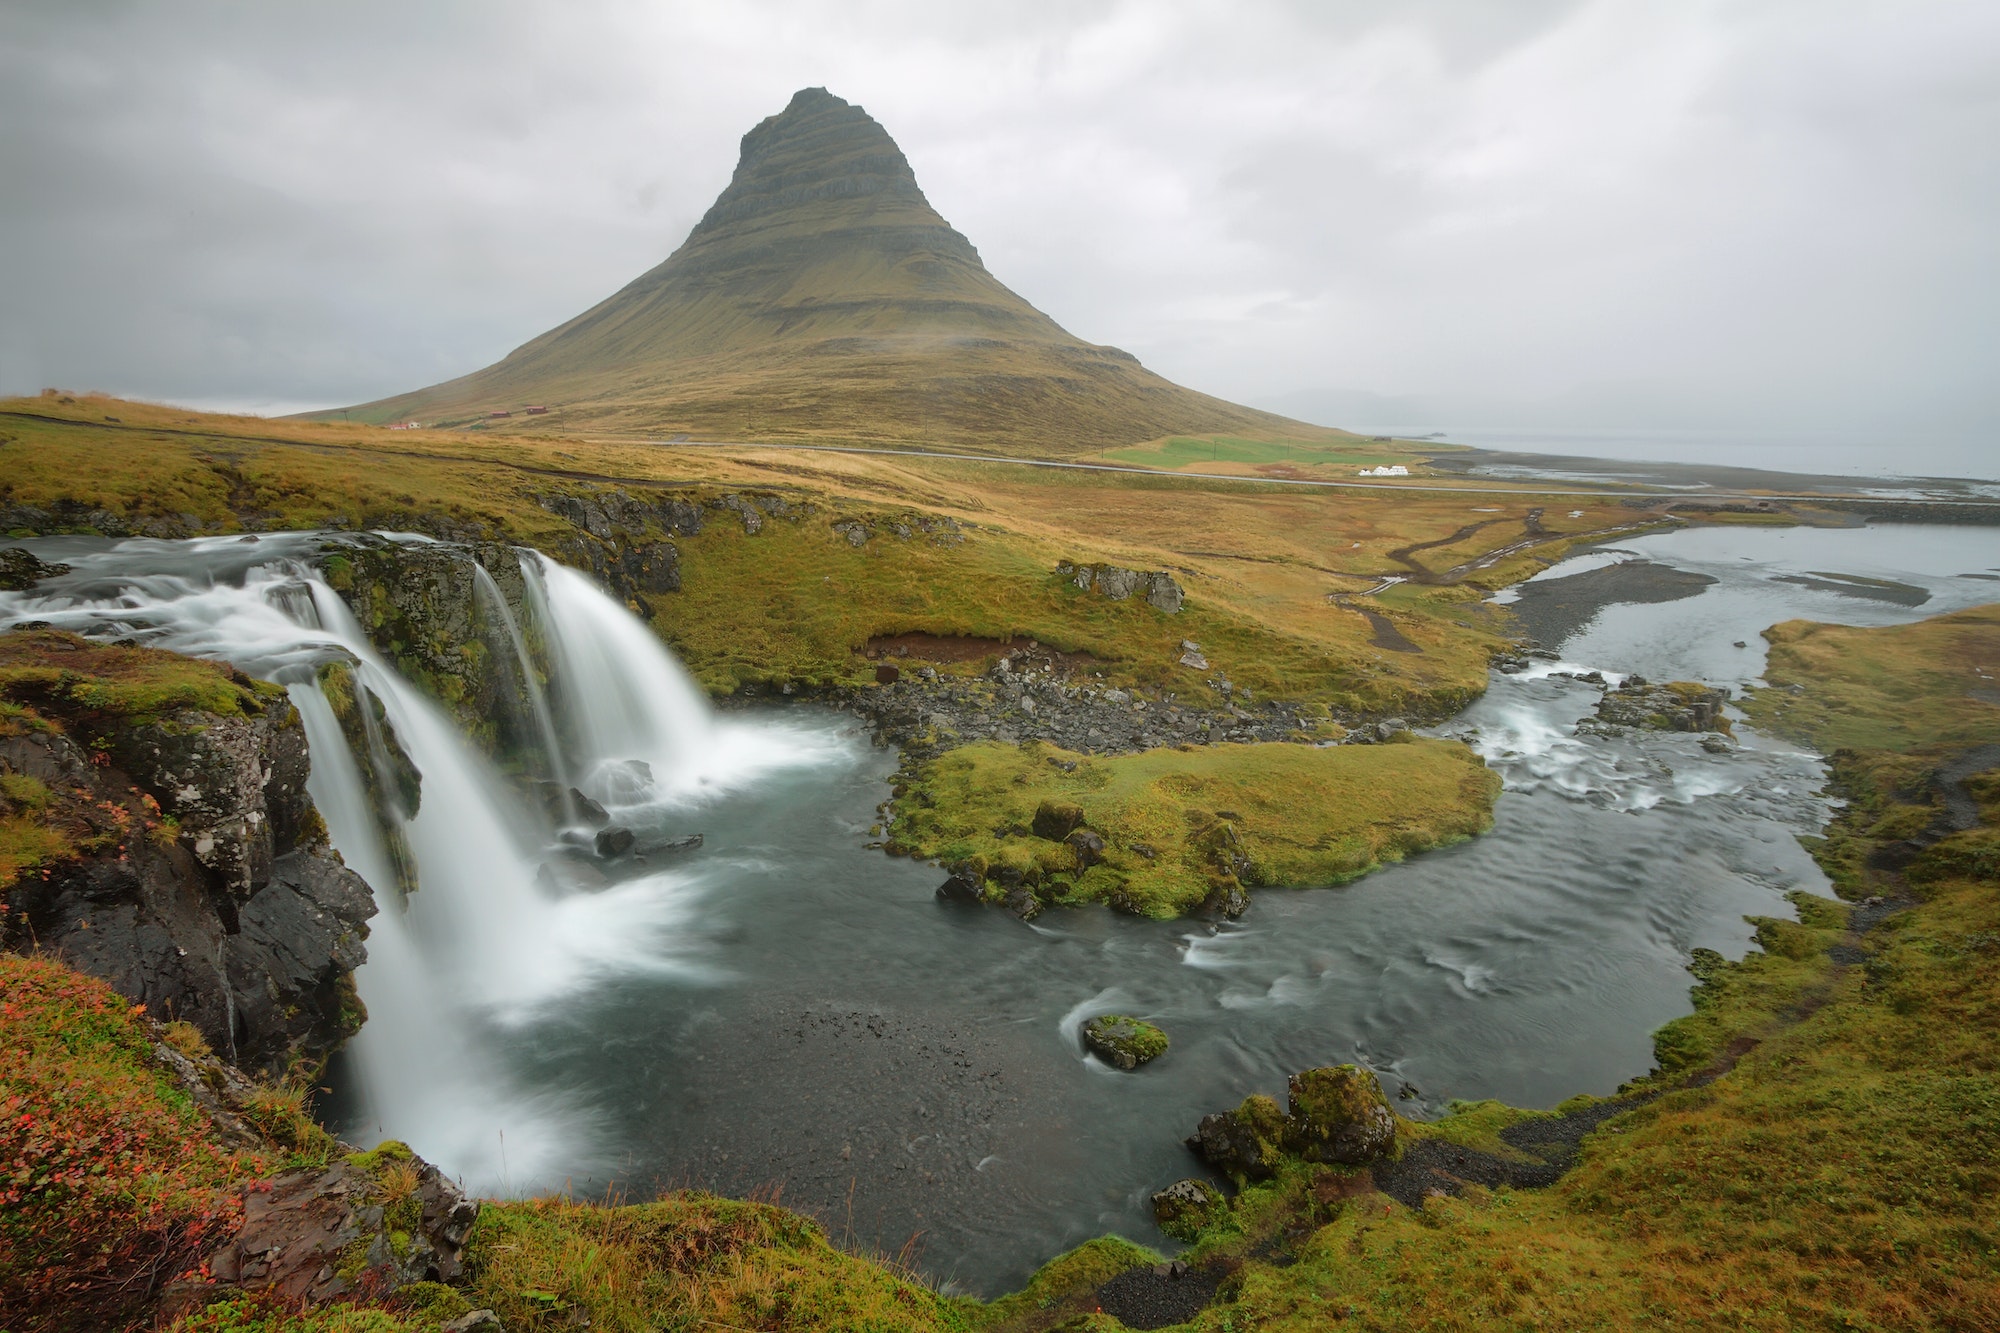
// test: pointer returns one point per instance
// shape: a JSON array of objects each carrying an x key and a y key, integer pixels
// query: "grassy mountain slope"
[{"x": 822, "y": 297}]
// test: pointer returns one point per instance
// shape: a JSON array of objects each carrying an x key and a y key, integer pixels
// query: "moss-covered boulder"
[
  {"x": 1184, "y": 1208},
  {"x": 1122, "y": 1041},
  {"x": 1056, "y": 820},
  {"x": 1247, "y": 1143},
  {"x": 1339, "y": 1115}
]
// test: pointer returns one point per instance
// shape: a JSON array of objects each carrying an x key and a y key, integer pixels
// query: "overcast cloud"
[{"x": 1764, "y": 215}]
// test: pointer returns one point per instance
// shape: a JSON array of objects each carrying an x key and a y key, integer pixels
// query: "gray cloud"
[{"x": 1774, "y": 215}]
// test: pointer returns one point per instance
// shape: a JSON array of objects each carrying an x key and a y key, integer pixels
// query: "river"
[{"x": 786, "y": 1012}]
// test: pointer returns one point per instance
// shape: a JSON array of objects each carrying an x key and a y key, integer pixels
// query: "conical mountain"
[{"x": 822, "y": 297}]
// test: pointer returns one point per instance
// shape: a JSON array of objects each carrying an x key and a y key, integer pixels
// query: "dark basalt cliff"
[
  {"x": 822, "y": 296},
  {"x": 158, "y": 820}
]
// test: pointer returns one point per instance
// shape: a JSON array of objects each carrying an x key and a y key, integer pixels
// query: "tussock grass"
[{"x": 687, "y": 1261}]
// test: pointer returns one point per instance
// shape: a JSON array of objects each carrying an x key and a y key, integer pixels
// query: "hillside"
[{"x": 822, "y": 297}]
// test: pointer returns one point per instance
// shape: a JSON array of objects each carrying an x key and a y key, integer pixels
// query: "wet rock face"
[
  {"x": 422, "y": 605},
  {"x": 236, "y": 787},
  {"x": 242, "y": 922}
]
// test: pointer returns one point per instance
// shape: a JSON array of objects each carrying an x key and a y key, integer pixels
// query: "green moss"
[
  {"x": 1124, "y": 1041},
  {"x": 1303, "y": 815},
  {"x": 49, "y": 670}
]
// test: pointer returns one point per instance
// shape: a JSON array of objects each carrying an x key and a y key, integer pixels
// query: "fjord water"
[{"x": 787, "y": 1010}]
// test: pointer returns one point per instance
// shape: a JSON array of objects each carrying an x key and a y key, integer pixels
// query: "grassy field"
[
  {"x": 1262, "y": 565},
  {"x": 1179, "y": 825},
  {"x": 1885, "y": 689},
  {"x": 1331, "y": 459}
]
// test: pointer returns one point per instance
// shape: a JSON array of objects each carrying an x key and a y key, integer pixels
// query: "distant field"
[{"x": 1189, "y": 451}]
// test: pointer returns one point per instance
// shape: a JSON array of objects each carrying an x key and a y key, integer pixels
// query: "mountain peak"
[
  {"x": 821, "y": 148},
  {"x": 821, "y": 296}
]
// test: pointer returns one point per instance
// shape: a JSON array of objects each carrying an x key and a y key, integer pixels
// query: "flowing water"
[{"x": 784, "y": 1010}]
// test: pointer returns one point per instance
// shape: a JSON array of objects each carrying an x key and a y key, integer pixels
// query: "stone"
[
  {"x": 1163, "y": 594},
  {"x": 473, "y": 1321},
  {"x": 615, "y": 840},
  {"x": 855, "y": 532},
  {"x": 1122, "y": 1041},
  {"x": 1056, "y": 820},
  {"x": 964, "y": 886},
  {"x": 21, "y": 570},
  {"x": 1022, "y": 902},
  {"x": 658, "y": 846},
  {"x": 1225, "y": 901},
  {"x": 1388, "y": 727},
  {"x": 1185, "y": 1207},
  {"x": 1087, "y": 846},
  {"x": 888, "y": 673},
  {"x": 309, "y": 1238},
  {"x": 1247, "y": 1143},
  {"x": 1338, "y": 1115}
]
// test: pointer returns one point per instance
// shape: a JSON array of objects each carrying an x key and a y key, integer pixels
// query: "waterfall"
[
  {"x": 531, "y": 683},
  {"x": 627, "y": 698},
  {"x": 489, "y": 938}
]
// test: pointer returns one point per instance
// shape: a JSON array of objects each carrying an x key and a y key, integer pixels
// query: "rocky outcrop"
[
  {"x": 926, "y": 712},
  {"x": 21, "y": 569},
  {"x": 1678, "y": 706},
  {"x": 1339, "y": 1115},
  {"x": 1156, "y": 586},
  {"x": 1335, "y": 1115},
  {"x": 195, "y": 875},
  {"x": 311, "y": 1237},
  {"x": 1247, "y": 1143}
]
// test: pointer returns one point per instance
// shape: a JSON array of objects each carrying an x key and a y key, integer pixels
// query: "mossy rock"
[
  {"x": 1056, "y": 820},
  {"x": 1247, "y": 1143},
  {"x": 1122, "y": 1041},
  {"x": 1339, "y": 1115},
  {"x": 1186, "y": 1208}
]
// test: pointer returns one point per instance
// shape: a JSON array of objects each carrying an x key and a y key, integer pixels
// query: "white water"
[{"x": 490, "y": 939}]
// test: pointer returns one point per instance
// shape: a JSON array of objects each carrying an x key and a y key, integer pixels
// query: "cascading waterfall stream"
[
  {"x": 489, "y": 938},
  {"x": 531, "y": 681}
]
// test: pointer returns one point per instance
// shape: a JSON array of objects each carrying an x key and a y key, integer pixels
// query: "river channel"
[{"x": 788, "y": 1013}]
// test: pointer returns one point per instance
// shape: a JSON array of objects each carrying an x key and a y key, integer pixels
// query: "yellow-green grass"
[
  {"x": 1260, "y": 563},
  {"x": 1187, "y": 451},
  {"x": 688, "y": 1261},
  {"x": 1884, "y": 689},
  {"x": 1297, "y": 814}
]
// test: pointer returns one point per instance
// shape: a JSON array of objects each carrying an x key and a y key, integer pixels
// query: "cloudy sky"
[{"x": 1777, "y": 216}]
